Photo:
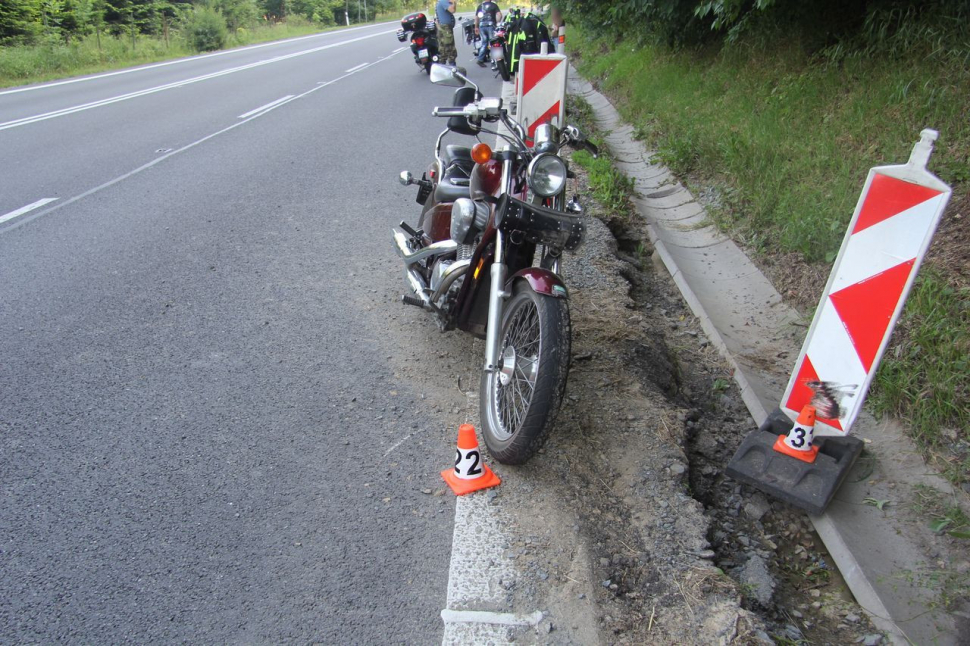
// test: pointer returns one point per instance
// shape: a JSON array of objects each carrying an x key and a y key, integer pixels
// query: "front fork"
[{"x": 497, "y": 294}]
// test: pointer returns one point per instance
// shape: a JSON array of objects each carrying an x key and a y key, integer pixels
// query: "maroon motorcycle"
[{"x": 485, "y": 257}]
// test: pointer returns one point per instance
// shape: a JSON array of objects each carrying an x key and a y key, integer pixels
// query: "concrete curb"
[{"x": 759, "y": 336}]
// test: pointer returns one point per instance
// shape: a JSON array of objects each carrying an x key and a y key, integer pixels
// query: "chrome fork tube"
[
  {"x": 497, "y": 292},
  {"x": 496, "y": 305}
]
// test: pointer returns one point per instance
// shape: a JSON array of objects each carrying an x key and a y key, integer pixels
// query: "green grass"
[
  {"x": 22, "y": 65},
  {"x": 611, "y": 188},
  {"x": 790, "y": 142},
  {"x": 926, "y": 378},
  {"x": 787, "y": 142}
]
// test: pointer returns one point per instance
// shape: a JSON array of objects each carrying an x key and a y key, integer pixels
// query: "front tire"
[{"x": 520, "y": 401}]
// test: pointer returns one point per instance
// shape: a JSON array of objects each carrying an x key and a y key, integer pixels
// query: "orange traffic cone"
[
  {"x": 470, "y": 473},
  {"x": 799, "y": 441}
]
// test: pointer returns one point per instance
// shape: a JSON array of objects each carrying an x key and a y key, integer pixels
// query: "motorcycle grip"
[{"x": 449, "y": 112}]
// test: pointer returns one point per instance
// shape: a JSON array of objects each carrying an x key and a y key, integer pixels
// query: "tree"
[
  {"x": 237, "y": 13},
  {"x": 19, "y": 20}
]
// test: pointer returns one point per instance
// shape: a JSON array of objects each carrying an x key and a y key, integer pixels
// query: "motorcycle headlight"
[{"x": 547, "y": 175}]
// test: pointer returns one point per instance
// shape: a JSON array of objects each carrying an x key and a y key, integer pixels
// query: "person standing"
[
  {"x": 487, "y": 17},
  {"x": 557, "y": 30},
  {"x": 445, "y": 14}
]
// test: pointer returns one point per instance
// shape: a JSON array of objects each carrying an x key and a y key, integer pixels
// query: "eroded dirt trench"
[{"x": 680, "y": 552}]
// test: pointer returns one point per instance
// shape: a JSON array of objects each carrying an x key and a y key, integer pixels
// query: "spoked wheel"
[{"x": 519, "y": 402}]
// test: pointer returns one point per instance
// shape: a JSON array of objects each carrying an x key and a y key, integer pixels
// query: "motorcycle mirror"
[
  {"x": 406, "y": 178},
  {"x": 445, "y": 75}
]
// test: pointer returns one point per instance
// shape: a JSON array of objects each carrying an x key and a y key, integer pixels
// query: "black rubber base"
[{"x": 808, "y": 486}]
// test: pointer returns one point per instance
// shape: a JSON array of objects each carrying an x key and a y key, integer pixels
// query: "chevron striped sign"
[
  {"x": 541, "y": 91},
  {"x": 888, "y": 236}
]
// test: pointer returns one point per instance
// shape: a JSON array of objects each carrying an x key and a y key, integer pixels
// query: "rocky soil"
[{"x": 658, "y": 408}]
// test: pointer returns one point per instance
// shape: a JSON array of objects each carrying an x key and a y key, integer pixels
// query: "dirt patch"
[{"x": 656, "y": 419}]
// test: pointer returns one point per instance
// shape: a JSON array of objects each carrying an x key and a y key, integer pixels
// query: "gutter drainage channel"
[{"x": 759, "y": 336}]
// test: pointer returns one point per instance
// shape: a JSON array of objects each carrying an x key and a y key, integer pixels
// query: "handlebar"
[
  {"x": 486, "y": 108},
  {"x": 450, "y": 112}
]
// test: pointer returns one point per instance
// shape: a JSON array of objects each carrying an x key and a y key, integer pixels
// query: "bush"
[{"x": 206, "y": 30}]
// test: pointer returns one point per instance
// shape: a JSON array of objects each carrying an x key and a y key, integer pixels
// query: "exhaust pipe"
[
  {"x": 411, "y": 257},
  {"x": 454, "y": 271}
]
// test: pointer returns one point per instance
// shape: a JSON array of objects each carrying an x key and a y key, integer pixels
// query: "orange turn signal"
[{"x": 481, "y": 153}]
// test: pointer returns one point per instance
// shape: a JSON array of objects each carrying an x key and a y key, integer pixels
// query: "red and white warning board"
[
  {"x": 541, "y": 91},
  {"x": 888, "y": 236}
]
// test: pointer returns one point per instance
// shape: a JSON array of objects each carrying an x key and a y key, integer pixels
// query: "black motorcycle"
[
  {"x": 468, "y": 28},
  {"x": 424, "y": 39}
]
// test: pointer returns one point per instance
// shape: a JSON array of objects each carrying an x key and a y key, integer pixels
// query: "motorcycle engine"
[
  {"x": 439, "y": 274},
  {"x": 468, "y": 218}
]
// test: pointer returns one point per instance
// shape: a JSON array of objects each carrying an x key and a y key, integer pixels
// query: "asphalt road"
[{"x": 198, "y": 412}]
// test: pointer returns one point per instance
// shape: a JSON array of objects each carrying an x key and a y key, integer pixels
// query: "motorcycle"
[
  {"x": 486, "y": 258},
  {"x": 424, "y": 39},
  {"x": 468, "y": 28},
  {"x": 497, "y": 48},
  {"x": 498, "y": 53}
]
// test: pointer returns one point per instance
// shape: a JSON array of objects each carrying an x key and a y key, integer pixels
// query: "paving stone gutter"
[{"x": 883, "y": 554}]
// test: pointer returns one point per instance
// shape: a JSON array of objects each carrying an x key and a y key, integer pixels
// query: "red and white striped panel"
[
  {"x": 890, "y": 231},
  {"x": 541, "y": 91}
]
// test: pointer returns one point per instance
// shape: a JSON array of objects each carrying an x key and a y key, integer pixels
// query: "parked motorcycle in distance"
[
  {"x": 486, "y": 257},
  {"x": 468, "y": 28},
  {"x": 424, "y": 39},
  {"x": 498, "y": 51}
]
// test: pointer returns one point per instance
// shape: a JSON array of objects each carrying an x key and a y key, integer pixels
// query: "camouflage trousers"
[{"x": 446, "y": 44}]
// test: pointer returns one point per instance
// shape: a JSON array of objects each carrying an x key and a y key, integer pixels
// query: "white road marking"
[
  {"x": 205, "y": 77},
  {"x": 26, "y": 209},
  {"x": 494, "y": 618},
  {"x": 354, "y": 69},
  {"x": 399, "y": 49},
  {"x": 478, "y": 564},
  {"x": 95, "y": 77},
  {"x": 265, "y": 107},
  {"x": 162, "y": 158}
]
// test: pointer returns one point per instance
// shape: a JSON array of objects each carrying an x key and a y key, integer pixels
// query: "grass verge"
[
  {"x": 784, "y": 143},
  {"x": 611, "y": 188},
  {"x": 23, "y": 65}
]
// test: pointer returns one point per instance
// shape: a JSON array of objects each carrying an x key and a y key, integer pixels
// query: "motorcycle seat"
[{"x": 456, "y": 154}]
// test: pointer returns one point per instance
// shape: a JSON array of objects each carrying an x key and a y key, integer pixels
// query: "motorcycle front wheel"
[{"x": 519, "y": 402}]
